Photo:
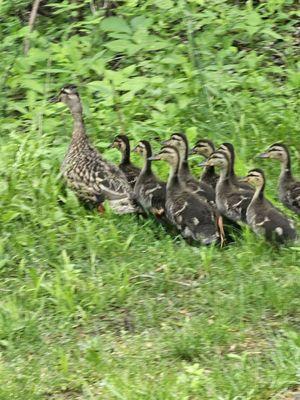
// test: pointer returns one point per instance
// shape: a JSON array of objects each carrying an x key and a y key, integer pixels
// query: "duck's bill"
[
  {"x": 165, "y": 142},
  {"x": 203, "y": 164},
  {"x": 54, "y": 99},
  {"x": 191, "y": 152},
  {"x": 154, "y": 158},
  {"x": 263, "y": 155}
]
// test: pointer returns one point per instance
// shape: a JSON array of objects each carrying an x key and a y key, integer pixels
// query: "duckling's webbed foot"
[
  {"x": 221, "y": 230},
  {"x": 158, "y": 212},
  {"x": 101, "y": 208}
]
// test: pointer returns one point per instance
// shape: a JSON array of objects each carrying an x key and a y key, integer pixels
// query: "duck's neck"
[
  {"x": 225, "y": 173},
  {"x": 147, "y": 168},
  {"x": 173, "y": 180},
  {"x": 126, "y": 155},
  {"x": 259, "y": 193},
  {"x": 232, "y": 161},
  {"x": 209, "y": 172},
  {"x": 184, "y": 168},
  {"x": 286, "y": 169},
  {"x": 78, "y": 123}
]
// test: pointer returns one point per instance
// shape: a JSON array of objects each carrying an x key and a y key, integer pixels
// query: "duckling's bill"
[
  {"x": 263, "y": 155},
  {"x": 203, "y": 164},
  {"x": 154, "y": 158}
]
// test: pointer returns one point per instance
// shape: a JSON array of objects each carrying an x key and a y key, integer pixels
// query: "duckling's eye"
[{"x": 217, "y": 157}]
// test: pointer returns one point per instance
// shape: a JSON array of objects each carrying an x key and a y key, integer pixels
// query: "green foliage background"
[{"x": 114, "y": 308}]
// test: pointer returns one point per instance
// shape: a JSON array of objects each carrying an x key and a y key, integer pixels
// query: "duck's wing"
[
  {"x": 110, "y": 180},
  {"x": 131, "y": 172},
  {"x": 276, "y": 224},
  {"x": 194, "y": 218},
  {"x": 152, "y": 193},
  {"x": 201, "y": 189},
  {"x": 237, "y": 203}
]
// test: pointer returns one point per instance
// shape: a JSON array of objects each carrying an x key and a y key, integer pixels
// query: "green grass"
[
  {"x": 107, "y": 307},
  {"x": 114, "y": 308}
]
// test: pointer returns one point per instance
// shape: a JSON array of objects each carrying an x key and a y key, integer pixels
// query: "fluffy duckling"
[
  {"x": 92, "y": 178},
  {"x": 121, "y": 142},
  {"x": 231, "y": 201},
  {"x": 179, "y": 140},
  {"x": 150, "y": 192},
  {"x": 193, "y": 217},
  {"x": 262, "y": 217},
  {"x": 289, "y": 188},
  {"x": 205, "y": 148},
  {"x": 229, "y": 150}
]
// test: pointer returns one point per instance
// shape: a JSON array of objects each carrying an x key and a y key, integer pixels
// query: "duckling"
[
  {"x": 121, "y": 142},
  {"x": 193, "y": 217},
  {"x": 205, "y": 148},
  {"x": 264, "y": 218},
  {"x": 237, "y": 181},
  {"x": 289, "y": 188},
  {"x": 179, "y": 140},
  {"x": 150, "y": 192},
  {"x": 93, "y": 178},
  {"x": 231, "y": 201}
]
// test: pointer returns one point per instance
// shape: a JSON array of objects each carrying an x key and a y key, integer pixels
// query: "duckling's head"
[
  {"x": 217, "y": 159},
  {"x": 70, "y": 96},
  {"x": 277, "y": 151},
  {"x": 143, "y": 148},
  {"x": 121, "y": 142},
  {"x": 178, "y": 140},
  {"x": 167, "y": 153},
  {"x": 255, "y": 177},
  {"x": 228, "y": 149},
  {"x": 203, "y": 147}
]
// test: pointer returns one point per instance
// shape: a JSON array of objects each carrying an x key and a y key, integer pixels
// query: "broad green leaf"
[
  {"x": 100, "y": 86},
  {"x": 272, "y": 33},
  {"x": 141, "y": 22},
  {"x": 123, "y": 46},
  {"x": 253, "y": 18},
  {"x": 134, "y": 84},
  {"x": 164, "y": 4},
  {"x": 115, "y": 24}
]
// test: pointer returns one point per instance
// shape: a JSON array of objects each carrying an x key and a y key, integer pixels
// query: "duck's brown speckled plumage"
[{"x": 93, "y": 178}]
